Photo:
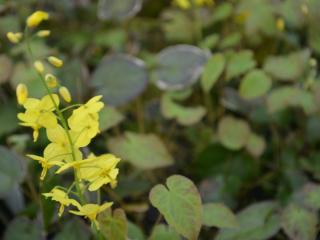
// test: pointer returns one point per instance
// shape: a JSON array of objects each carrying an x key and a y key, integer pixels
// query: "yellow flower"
[
  {"x": 65, "y": 94},
  {"x": 38, "y": 66},
  {"x": 48, "y": 160},
  {"x": 60, "y": 144},
  {"x": 61, "y": 196},
  {"x": 84, "y": 121},
  {"x": 184, "y": 4},
  {"x": 75, "y": 164},
  {"x": 36, "y": 18},
  {"x": 14, "y": 37},
  {"x": 91, "y": 211},
  {"x": 55, "y": 61},
  {"x": 100, "y": 171},
  {"x": 280, "y": 24},
  {"x": 43, "y": 33},
  {"x": 22, "y": 93},
  {"x": 39, "y": 113},
  {"x": 51, "y": 80},
  {"x": 204, "y": 2}
]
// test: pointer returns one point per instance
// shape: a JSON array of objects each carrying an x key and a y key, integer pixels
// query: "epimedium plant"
[
  {"x": 66, "y": 135},
  {"x": 223, "y": 92}
]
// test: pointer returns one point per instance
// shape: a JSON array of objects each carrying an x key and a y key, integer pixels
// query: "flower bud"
[
  {"x": 14, "y": 37},
  {"x": 55, "y": 61},
  {"x": 51, "y": 81},
  {"x": 65, "y": 94},
  {"x": 36, "y": 18},
  {"x": 43, "y": 33},
  {"x": 22, "y": 93},
  {"x": 39, "y": 67}
]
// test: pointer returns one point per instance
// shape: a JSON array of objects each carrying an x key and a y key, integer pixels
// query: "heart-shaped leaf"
[
  {"x": 255, "y": 145},
  {"x": 239, "y": 63},
  {"x": 145, "y": 151},
  {"x": 23, "y": 228},
  {"x": 119, "y": 78},
  {"x": 179, "y": 66},
  {"x": 180, "y": 203}
]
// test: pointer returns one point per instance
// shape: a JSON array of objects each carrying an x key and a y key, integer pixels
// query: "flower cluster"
[
  {"x": 67, "y": 136},
  {"x": 187, "y": 4}
]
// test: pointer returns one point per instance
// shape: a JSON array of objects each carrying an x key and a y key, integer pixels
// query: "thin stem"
[
  {"x": 71, "y": 106},
  {"x": 60, "y": 115}
]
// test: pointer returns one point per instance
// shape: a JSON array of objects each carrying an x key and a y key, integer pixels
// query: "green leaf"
[
  {"x": 179, "y": 66},
  {"x": 145, "y": 151},
  {"x": 74, "y": 230},
  {"x": 135, "y": 232},
  {"x": 299, "y": 223},
  {"x": 289, "y": 67},
  {"x": 23, "y": 228},
  {"x": 311, "y": 196},
  {"x": 163, "y": 232},
  {"x": 256, "y": 145},
  {"x": 218, "y": 215},
  {"x": 9, "y": 121},
  {"x": 231, "y": 40},
  {"x": 258, "y": 221},
  {"x": 255, "y": 84},
  {"x": 184, "y": 115},
  {"x": 12, "y": 170},
  {"x": 119, "y": 78},
  {"x": 222, "y": 12},
  {"x": 212, "y": 71},
  {"x": 210, "y": 41},
  {"x": 109, "y": 117},
  {"x": 233, "y": 133},
  {"x": 283, "y": 97},
  {"x": 180, "y": 204},
  {"x": 113, "y": 226},
  {"x": 239, "y": 63}
]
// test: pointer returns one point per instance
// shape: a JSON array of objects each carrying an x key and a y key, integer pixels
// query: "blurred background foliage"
[{"x": 227, "y": 95}]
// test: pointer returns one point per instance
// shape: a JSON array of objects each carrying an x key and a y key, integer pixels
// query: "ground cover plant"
[{"x": 141, "y": 119}]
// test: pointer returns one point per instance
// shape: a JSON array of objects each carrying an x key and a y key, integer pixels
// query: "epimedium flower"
[
  {"x": 62, "y": 197},
  {"x": 60, "y": 144},
  {"x": 101, "y": 171},
  {"x": 36, "y": 18},
  {"x": 85, "y": 120},
  {"x": 91, "y": 211},
  {"x": 14, "y": 37},
  {"x": 49, "y": 160},
  {"x": 39, "y": 113},
  {"x": 22, "y": 93}
]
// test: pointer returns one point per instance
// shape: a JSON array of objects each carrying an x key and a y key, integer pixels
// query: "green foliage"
[
  {"x": 225, "y": 94},
  {"x": 153, "y": 155},
  {"x": 180, "y": 203}
]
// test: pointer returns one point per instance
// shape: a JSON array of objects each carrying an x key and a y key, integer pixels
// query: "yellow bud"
[
  {"x": 38, "y": 66},
  {"x": 43, "y": 33},
  {"x": 22, "y": 93},
  {"x": 14, "y": 37},
  {"x": 304, "y": 9},
  {"x": 55, "y": 61},
  {"x": 280, "y": 24},
  {"x": 65, "y": 94},
  {"x": 36, "y": 18},
  {"x": 51, "y": 81}
]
